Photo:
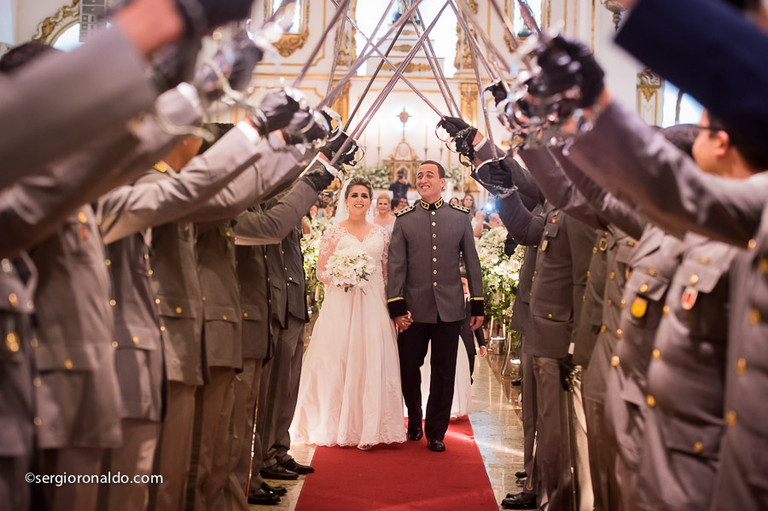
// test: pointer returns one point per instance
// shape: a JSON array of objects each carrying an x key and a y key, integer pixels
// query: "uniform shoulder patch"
[
  {"x": 160, "y": 167},
  {"x": 460, "y": 208},
  {"x": 406, "y": 210}
]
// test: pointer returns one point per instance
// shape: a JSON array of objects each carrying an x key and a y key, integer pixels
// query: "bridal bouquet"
[{"x": 350, "y": 267}]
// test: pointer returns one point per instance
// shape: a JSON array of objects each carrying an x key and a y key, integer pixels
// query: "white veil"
[{"x": 342, "y": 213}]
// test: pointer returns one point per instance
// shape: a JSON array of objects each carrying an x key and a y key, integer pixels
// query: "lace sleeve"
[
  {"x": 327, "y": 247},
  {"x": 385, "y": 257}
]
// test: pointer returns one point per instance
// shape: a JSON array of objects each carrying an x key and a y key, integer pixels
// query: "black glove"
[
  {"x": 462, "y": 133},
  {"x": 568, "y": 63},
  {"x": 275, "y": 112},
  {"x": 334, "y": 145},
  {"x": 566, "y": 372},
  {"x": 499, "y": 90},
  {"x": 318, "y": 177},
  {"x": 235, "y": 62},
  {"x": 202, "y": 16},
  {"x": 496, "y": 174},
  {"x": 305, "y": 126},
  {"x": 175, "y": 64}
]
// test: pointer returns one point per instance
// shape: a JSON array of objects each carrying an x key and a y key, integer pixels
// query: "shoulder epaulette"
[
  {"x": 160, "y": 167},
  {"x": 460, "y": 208},
  {"x": 406, "y": 210}
]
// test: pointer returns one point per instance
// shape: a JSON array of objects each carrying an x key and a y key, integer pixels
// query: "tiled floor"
[{"x": 495, "y": 419}]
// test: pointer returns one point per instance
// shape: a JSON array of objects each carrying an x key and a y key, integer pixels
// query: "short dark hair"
[
  {"x": 754, "y": 156},
  {"x": 358, "y": 181},
  {"x": 440, "y": 168},
  {"x": 20, "y": 55},
  {"x": 682, "y": 136}
]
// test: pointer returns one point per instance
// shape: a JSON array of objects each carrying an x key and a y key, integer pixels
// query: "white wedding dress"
[{"x": 350, "y": 390}]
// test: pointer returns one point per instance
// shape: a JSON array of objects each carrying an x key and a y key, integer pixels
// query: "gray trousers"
[
  {"x": 175, "y": 447},
  {"x": 135, "y": 457},
  {"x": 553, "y": 443},
  {"x": 215, "y": 400},
  {"x": 247, "y": 385},
  {"x": 278, "y": 398},
  {"x": 71, "y": 460}
]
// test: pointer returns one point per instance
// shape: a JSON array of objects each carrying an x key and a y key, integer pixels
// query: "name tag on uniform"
[
  {"x": 639, "y": 306},
  {"x": 689, "y": 298}
]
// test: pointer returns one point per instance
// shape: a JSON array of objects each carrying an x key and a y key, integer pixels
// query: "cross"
[{"x": 404, "y": 116}]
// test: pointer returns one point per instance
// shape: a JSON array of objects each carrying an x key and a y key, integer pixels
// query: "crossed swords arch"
[{"x": 496, "y": 65}]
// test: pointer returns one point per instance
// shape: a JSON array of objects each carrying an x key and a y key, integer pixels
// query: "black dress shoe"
[
  {"x": 521, "y": 474},
  {"x": 262, "y": 498},
  {"x": 277, "y": 471},
  {"x": 520, "y": 501},
  {"x": 293, "y": 466},
  {"x": 415, "y": 435},
  {"x": 435, "y": 445},
  {"x": 276, "y": 490}
]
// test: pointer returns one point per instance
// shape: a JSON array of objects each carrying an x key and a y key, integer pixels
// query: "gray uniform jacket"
[
  {"x": 265, "y": 227},
  {"x": 680, "y": 197},
  {"x": 590, "y": 320},
  {"x": 564, "y": 250},
  {"x": 35, "y": 92},
  {"x": 78, "y": 398},
  {"x": 31, "y": 210},
  {"x": 686, "y": 379},
  {"x": 423, "y": 277},
  {"x": 618, "y": 257}
]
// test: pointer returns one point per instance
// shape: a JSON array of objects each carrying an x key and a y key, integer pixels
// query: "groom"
[{"x": 426, "y": 298}]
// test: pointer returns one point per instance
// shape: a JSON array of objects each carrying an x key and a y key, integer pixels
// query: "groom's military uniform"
[{"x": 428, "y": 243}]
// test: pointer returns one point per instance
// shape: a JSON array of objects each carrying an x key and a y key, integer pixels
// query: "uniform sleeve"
[
  {"x": 272, "y": 225},
  {"x": 50, "y": 107},
  {"x": 33, "y": 208},
  {"x": 130, "y": 209},
  {"x": 525, "y": 227},
  {"x": 529, "y": 192},
  {"x": 631, "y": 160},
  {"x": 474, "y": 272},
  {"x": 397, "y": 271}
]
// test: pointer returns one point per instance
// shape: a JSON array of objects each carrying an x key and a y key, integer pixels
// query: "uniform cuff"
[
  {"x": 397, "y": 307},
  {"x": 477, "y": 307}
]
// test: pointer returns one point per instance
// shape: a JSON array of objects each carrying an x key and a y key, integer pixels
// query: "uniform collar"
[{"x": 436, "y": 205}]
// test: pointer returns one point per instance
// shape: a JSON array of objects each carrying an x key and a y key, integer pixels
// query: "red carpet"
[{"x": 401, "y": 476}]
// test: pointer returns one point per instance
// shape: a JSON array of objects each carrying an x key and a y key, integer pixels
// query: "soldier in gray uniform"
[
  {"x": 17, "y": 283},
  {"x": 426, "y": 298},
  {"x": 673, "y": 192},
  {"x": 254, "y": 229}
]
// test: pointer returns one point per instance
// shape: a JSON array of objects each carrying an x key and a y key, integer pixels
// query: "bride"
[{"x": 349, "y": 392}]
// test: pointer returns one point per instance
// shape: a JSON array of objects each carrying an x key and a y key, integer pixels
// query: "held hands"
[{"x": 403, "y": 322}]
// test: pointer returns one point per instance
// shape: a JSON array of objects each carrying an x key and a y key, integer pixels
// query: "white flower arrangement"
[{"x": 350, "y": 267}]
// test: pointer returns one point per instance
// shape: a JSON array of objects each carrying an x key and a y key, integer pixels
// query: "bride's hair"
[{"x": 358, "y": 181}]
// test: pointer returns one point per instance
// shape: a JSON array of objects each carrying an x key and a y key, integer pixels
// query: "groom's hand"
[
  {"x": 403, "y": 322},
  {"x": 476, "y": 322}
]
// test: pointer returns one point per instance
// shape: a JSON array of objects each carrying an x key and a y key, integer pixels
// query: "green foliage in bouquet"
[{"x": 501, "y": 273}]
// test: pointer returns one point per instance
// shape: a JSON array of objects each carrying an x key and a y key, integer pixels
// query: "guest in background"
[{"x": 384, "y": 216}]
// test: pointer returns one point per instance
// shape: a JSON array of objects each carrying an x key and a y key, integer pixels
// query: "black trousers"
[{"x": 412, "y": 345}]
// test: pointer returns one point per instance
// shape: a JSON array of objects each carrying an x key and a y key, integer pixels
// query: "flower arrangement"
[
  {"x": 350, "y": 267},
  {"x": 310, "y": 247},
  {"x": 501, "y": 273}
]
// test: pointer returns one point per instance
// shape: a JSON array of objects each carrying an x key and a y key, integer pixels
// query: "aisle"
[{"x": 497, "y": 430}]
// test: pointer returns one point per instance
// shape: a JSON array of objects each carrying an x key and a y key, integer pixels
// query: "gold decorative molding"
[
  {"x": 290, "y": 42},
  {"x": 468, "y": 102},
  {"x": 649, "y": 85},
  {"x": 51, "y": 27},
  {"x": 341, "y": 105}
]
